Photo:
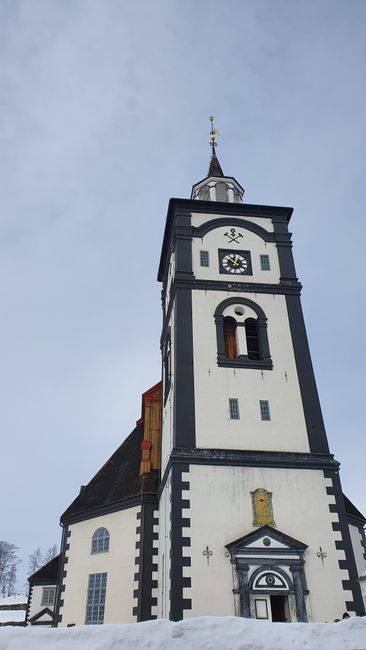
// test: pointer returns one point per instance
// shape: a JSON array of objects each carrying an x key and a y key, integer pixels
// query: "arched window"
[
  {"x": 100, "y": 541},
  {"x": 251, "y": 332},
  {"x": 232, "y": 334},
  {"x": 237, "y": 197},
  {"x": 204, "y": 194},
  {"x": 221, "y": 192},
  {"x": 231, "y": 347}
]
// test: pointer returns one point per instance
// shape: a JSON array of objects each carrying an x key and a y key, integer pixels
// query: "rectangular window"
[
  {"x": 48, "y": 596},
  {"x": 265, "y": 412},
  {"x": 204, "y": 258},
  {"x": 234, "y": 409},
  {"x": 97, "y": 587},
  {"x": 265, "y": 262},
  {"x": 261, "y": 610}
]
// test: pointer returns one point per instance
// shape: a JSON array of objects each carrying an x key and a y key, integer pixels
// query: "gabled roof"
[
  {"x": 44, "y": 612},
  {"x": 153, "y": 393},
  {"x": 352, "y": 510},
  {"x": 118, "y": 480},
  {"x": 47, "y": 573}
]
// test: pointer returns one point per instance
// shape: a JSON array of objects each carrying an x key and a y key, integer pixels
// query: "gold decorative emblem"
[{"x": 262, "y": 507}]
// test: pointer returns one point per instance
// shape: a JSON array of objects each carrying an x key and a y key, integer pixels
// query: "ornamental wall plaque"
[{"x": 262, "y": 507}]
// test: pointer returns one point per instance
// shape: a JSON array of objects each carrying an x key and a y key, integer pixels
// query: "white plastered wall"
[
  {"x": 168, "y": 407},
  {"x": 118, "y": 563},
  {"x": 164, "y": 551},
  {"x": 221, "y": 512},
  {"x": 358, "y": 550},
  {"x": 215, "y": 385},
  {"x": 36, "y": 600},
  {"x": 216, "y": 239}
]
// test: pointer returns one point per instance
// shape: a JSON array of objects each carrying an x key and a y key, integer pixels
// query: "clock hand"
[{"x": 235, "y": 262}]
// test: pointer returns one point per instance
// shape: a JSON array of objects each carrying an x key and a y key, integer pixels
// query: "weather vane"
[{"x": 213, "y": 133}]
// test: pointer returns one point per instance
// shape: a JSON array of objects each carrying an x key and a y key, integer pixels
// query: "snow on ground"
[
  {"x": 16, "y": 599},
  {"x": 12, "y": 615},
  {"x": 231, "y": 633}
]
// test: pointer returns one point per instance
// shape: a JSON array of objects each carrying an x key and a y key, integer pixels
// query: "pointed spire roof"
[
  {"x": 216, "y": 186},
  {"x": 215, "y": 167}
]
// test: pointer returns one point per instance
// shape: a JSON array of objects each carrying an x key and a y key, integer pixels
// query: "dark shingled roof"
[
  {"x": 352, "y": 510},
  {"x": 47, "y": 572},
  {"x": 215, "y": 167},
  {"x": 119, "y": 479}
]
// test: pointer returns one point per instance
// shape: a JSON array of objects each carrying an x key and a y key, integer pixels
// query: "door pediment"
[{"x": 263, "y": 540}]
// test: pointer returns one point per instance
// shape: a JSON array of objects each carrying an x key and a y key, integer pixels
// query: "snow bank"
[
  {"x": 12, "y": 615},
  {"x": 192, "y": 634},
  {"x": 16, "y": 599}
]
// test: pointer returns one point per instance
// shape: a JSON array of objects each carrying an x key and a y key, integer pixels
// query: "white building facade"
[
  {"x": 252, "y": 516},
  {"x": 225, "y": 499}
]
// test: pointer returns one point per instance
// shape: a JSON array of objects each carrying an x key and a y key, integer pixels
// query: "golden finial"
[{"x": 213, "y": 133}]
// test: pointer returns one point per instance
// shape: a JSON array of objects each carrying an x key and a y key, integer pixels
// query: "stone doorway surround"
[{"x": 268, "y": 562}]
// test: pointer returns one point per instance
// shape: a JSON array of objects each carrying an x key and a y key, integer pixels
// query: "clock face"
[{"x": 236, "y": 263}]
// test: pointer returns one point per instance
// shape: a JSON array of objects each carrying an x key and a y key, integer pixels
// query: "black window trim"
[{"x": 265, "y": 363}]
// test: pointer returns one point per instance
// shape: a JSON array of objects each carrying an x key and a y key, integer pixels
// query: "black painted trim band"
[
  {"x": 137, "y": 562},
  {"x": 145, "y": 564},
  {"x": 357, "y": 605},
  {"x": 29, "y": 601},
  {"x": 277, "y": 214},
  {"x": 285, "y": 288},
  {"x": 57, "y": 617},
  {"x": 243, "y": 458},
  {"x": 310, "y": 400},
  {"x": 212, "y": 224},
  {"x": 124, "y": 504},
  {"x": 178, "y": 604},
  {"x": 184, "y": 408}
]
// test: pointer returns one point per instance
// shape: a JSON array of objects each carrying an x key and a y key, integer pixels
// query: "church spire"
[
  {"x": 216, "y": 186},
  {"x": 215, "y": 167}
]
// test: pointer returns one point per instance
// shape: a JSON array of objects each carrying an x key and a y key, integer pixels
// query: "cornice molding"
[{"x": 244, "y": 458}]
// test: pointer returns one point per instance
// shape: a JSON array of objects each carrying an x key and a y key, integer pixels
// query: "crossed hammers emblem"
[{"x": 233, "y": 236}]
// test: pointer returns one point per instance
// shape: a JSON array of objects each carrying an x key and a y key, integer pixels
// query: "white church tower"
[
  {"x": 224, "y": 499},
  {"x": 252, "y": 519}
]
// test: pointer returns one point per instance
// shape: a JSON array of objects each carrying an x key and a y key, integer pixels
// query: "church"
[{"x": 224, "y": 500}]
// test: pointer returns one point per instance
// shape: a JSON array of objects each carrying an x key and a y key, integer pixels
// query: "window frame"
[
  {"x": 243, "y": 361},
  {"x": 264, "y": 262},
  {"x": 234, "y": 411},
  {"x": 204, "y": 256},
  {"x": 100, "y": 540},
  {"x": 222, "y": 191},
  {"x": 46, "y": 601},
  {"x": 265, "y": 411},
  {"x": 230, "y": 327},
  {"x": 95, "y": 599}
]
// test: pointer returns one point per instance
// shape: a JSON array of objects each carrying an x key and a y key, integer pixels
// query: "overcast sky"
[{"x": 104, "y": 109}]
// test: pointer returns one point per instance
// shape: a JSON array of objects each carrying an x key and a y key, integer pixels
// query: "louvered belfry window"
[
  {"x": 251, "y": 331},
  {"x": 231, "y": 347}
]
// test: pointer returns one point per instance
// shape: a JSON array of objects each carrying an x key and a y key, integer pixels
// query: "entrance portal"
[
  {"x": 269, "y": 577},
  {"x": 279, "y": 609}
]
